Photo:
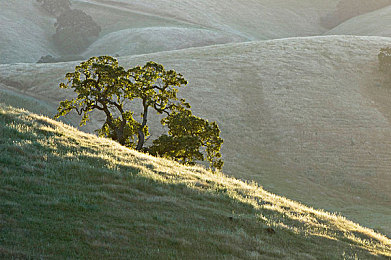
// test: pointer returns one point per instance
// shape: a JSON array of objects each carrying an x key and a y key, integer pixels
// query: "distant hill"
[
  {"x": 261, "y": 19},
  {"x": 139, "y": 27},
  {"x": 67, "y": 194},
  {"x": 25, "y": 32},
  {"x": 307, "y": 118},
  {"x": 376, "y": 23},
  {"x": 347, "y": 9},
  {"x": 156, "y": 39}
]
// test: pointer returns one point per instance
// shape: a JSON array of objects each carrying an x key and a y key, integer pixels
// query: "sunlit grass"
[{"x": 65, "y": 193}]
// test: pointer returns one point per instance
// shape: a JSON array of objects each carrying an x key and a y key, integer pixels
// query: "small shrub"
[
  {"x": 47, "y": 59},
  {"x": 385, "y": 59},
  {"x": 51, "y": 59}
]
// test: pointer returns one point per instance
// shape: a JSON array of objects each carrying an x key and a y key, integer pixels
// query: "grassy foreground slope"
[
  {"x": 66, "y": 193},
  {"x": 309, "y": 118}
]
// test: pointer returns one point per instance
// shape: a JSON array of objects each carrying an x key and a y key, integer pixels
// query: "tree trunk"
[
  {"x": 141, "y": 136},
  {"x": 119, "y": 132}
]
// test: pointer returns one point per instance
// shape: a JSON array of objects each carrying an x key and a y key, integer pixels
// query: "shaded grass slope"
[{"x": 68, "y": 194}]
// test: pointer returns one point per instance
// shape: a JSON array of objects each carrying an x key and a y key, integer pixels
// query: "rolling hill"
[
  {"x": 156, "y": 39},
  {"x": 347, "y": 9},
  {"x": 253, "y": 19},
  {"x": 26, "y": 30},
  {"x": 306, "y": 117},
  {"x": 375, "y": 23},
  {"x": 68, "y": 194}
]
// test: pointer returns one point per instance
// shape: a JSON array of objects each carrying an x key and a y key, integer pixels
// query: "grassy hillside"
[
  {"x": 374, "y": 23},
  {"x": 252, "y": 19},
  {"x": 155, "y": 39},
  {"x": 67, "y": 194},
  {"x": 307, "y": 118}
]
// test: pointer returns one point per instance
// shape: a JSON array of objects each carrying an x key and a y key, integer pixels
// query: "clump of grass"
[{"x": 69, "y": 194}]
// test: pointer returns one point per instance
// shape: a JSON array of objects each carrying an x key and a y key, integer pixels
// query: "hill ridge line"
[{"x": 217, "y": 46}]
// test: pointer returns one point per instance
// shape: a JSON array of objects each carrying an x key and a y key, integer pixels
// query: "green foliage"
[
  {"x": 101, "y": 84},
  {"x": 75, "y": 31},
  {"x": 186, "y": 136},
  {"x": 385, "y": 59}
]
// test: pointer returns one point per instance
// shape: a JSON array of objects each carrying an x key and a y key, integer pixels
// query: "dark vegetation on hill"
[
  {"x": 347, "y": 9},
  {"x": 385, "y": 59},
  {"x": 75, "y": 30},
  {"x": 65, "y": 58}
]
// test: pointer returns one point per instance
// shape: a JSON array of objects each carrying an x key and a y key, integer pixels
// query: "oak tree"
[
  {"x": 190, "y": 138},
  {"x": 101, "y": 84}
]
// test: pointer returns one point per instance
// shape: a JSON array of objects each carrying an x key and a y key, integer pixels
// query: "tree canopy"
[
  {"x": 75, "y": 31},
  {"x": 101, "y": 84}
]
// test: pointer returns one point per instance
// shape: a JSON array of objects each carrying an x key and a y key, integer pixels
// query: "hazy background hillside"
[
  {"x": 374, "y": 23},
  {"x": 347, "y": 9},
  {"x": 137, "y": 27},
  {"x": 306, "y": 116}
]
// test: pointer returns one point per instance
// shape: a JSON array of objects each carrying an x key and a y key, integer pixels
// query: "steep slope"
[
  {"x": 301, "y": 116},
  {"x": 67, "y": 194},
  {"x": 376, "y": 23}
]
